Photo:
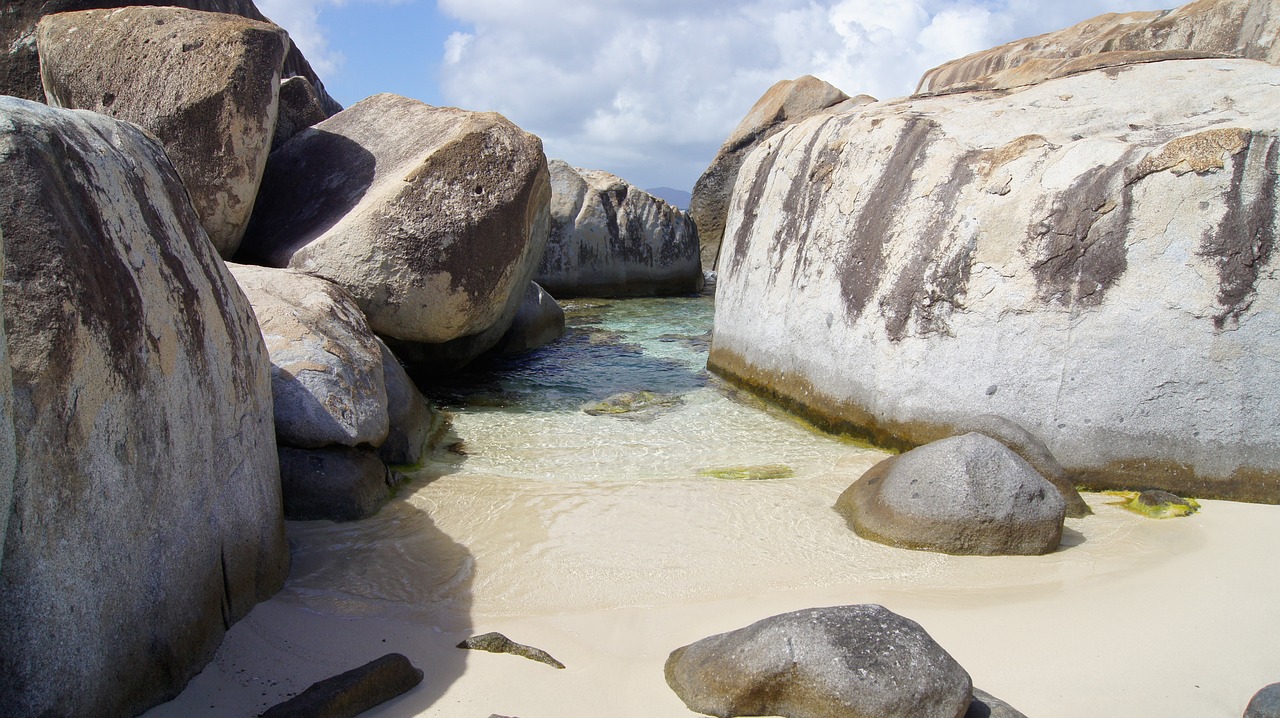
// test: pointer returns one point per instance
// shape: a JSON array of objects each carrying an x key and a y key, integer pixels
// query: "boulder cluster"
[{"x": 217, "y": 285}]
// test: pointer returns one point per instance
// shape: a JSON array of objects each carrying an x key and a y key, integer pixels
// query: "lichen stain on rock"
[
  {"x": 1078, "y": 252},
  {"x": 1200, "y": 153},
  {"x": 863, "y": 267},
  {"x": 1243, "y": 242}
]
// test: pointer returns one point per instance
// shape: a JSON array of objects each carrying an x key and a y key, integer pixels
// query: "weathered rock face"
[
  {"x": 432, "y": 218},
  {"x": 20, "y": 67},
  {"x": 1033, "y": 451},
  {"x": 784, "y": 104},
  {"x": 610, "y": 238},
  {"x": 326, "y": 365},
  {"x": 1206, "y": 28},
  {"x": 839, "y": 662},
  {"x": 299, "y": 109},
  {"x": 146, "y": 512},
  {"x": 206, "y": 84},
  {"x": 966, "y": 495},
  {"x": 336, "y": 483},
  {"x": 539, "y": 322},
  {"x": 412, "y": 420},
  {"x": 7, "y": 463},
  {"x": 1089, "y": 257}
]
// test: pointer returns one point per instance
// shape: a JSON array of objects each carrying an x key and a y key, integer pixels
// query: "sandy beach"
[{"x": 1131, "y": 617}]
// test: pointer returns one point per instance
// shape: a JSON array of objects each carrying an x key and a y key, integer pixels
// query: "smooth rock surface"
[
  {"x": 336, "y": 483},
  {"x": 206, "y": 84},
  {"x": 1033, "y": 451},
  {"x": 839, "y": 662},
  {"x": 432, "y": 218},
  {"x": 349, "y": 694},
  {"x": 1090, "y": 257},
  {"x": 1265, "y": 703},
  {"x": 1206, "y": 28},
  {"x": 610, "y": 238},
  {"x": 146, "y": 510},
  {"x": 412, "y": 421},
  {"x": 20, "y": 65},
  {"x": 539, "y": 321},
  {"x": 300, "y": 108},
  {"x": 784, "y": 104},
  {"x": 327, "y": 376},
  {"x": 967, "y": 495}
]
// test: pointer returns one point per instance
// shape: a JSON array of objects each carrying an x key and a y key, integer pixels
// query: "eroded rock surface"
[
  {"x": 784, "y": 104},
  {"x": 1206, "y": 28},
  {"x": 967, "y": 495},
  {"x": 610, "y": 238},
  {"x": 1090, "y": 257},
  {"x": 146, "y": 506},
  {"x": 432, "y": 218},
  {"x": 206, "y": 84},
  {"x": 839, "y": 662}
]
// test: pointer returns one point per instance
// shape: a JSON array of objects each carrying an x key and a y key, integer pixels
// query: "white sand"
[{"x": 1132, "y": 617}]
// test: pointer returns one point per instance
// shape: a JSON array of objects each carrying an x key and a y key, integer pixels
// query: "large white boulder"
[
  {"x": 1090, "y": 257},
  {"x": 146, "y": 512},
  {"x": 610, "y": 238},
  {"x": 433, "y": 218},
  {"x": 206, "y": 84}
]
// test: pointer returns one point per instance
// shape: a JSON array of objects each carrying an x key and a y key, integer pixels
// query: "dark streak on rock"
[
  {"x": 750, "y": 209},
  {"x": 1077, "y": 252},
  {"x": 1243, "y": 242},
  {"x": 863, "y": 268}
]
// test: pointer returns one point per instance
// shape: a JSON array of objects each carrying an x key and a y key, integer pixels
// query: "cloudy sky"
[{"x": 647, "y": 89}]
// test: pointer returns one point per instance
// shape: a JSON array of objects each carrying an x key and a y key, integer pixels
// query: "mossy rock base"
[
  {"x": 1155, "y": 504},
  {"x": 750, "y": 473}
]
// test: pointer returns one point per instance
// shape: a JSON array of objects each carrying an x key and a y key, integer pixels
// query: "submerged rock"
[
  {"x": 147, "y": 488},
  {"x": 639, "y": 405},
  {"x": 1212, "y": 28},
  {"x": 206, "y": 84},
  {"x": 433, "y": 218},
  {"x": 750, "y": 473},
  {"x": 497, "y": 643},
  {"x": 349, "y": 694},
  {"x": 839, "y": 662},
  {"x": 963, "y": 495},
  {"x": 894, "y": 270},
  {"x": 610, "y": 238},
  {"x": 784, "y": 104}
]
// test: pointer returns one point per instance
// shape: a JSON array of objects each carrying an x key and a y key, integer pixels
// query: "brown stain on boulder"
[
  {"x": 1244, "y": 241},
  {"x": 1200, "y": 153}
]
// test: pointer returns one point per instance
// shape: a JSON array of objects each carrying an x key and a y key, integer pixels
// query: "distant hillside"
[{"x": 677, "y": 197}]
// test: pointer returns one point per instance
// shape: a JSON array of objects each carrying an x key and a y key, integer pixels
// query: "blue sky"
[{"x": 646, "y": 89}]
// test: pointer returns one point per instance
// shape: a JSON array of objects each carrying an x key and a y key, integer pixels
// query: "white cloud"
[
  {"x": 648, "y": 89},
  {"x": 302, "y": 19}
]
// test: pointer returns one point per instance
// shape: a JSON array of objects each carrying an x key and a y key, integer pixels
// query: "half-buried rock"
[
  {"x": 206, "y": 84},
  {"x": 433, "y": 218},
  {"x": 839, "y": 662},
  {"x": 968, "y": 495}
]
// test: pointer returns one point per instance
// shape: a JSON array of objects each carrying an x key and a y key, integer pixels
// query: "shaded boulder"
[
  {"x": 20, "y": 64},
  {"x": 1265, "y": 703},
  {"x": 337, "y": 483},
  {"x": 432, "y": 218},
  {"x": 349, "y": 694},
  {"x": 142, "y": 385},
  {"x": 985, "y": 705},
  {"x": 964, "y": 495},
  {"x": 538, "y": 322},
  {"x": 1033, "y": 451},
  {"x": 300, "y": 108},
  {"x": 1091, "y": 257},
  {"x": 859, "y": 661},
  {"x": 7, "y": 461},
  {"x": 413, "y": 424},
  {"x": 206, "y": 84},
  {"x": 610, "y": 238},
  {"x": 326, "y": 365},
  {"x": 1206, "y": 28},
  {"x": 787, "y": 102}
]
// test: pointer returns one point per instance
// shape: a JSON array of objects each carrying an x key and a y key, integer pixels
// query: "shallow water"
[{"x": 542, "y": 508}]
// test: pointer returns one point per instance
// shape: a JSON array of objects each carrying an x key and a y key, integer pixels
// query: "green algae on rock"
[
  {"x": 633, "y": 402},
  {"x": 1156, "y": 504},
  {"x": 750, "y": 473}
]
